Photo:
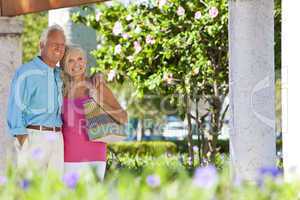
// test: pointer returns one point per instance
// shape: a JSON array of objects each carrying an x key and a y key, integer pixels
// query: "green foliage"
[
  {"x": 160, "y": 180},
  {"x": 143, "y": 148},
  {"x": 34, "y": 24},
  {"x": 163, "y": 51}
]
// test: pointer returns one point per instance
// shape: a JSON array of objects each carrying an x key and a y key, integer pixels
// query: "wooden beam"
[{"x": 18, "y": 7}]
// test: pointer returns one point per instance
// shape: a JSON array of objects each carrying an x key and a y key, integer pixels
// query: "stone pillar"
[
  {"x": 76, "y": 33},
  {"x": 252, "y": 93},
  {"x": 10, "y": 58},
  {"x": 290, "y": 88}
]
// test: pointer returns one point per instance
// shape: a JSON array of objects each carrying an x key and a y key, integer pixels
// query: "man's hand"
[
  {"x": 97, "y": 80},
  {"x": 21, "y": 139}
]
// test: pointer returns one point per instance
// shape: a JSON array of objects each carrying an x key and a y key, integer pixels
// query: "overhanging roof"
[{"x": 18, "y": 7}]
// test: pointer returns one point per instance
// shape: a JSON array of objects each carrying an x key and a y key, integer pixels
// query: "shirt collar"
[{"x": 38, "y": 60}]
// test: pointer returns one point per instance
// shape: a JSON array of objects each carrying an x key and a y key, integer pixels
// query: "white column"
[
  {"x": 76, "y": 33},
  {"x": 252, "y": 93},
  {"x": 10, "y": 59},
  {"x": 290, "y": 88}
]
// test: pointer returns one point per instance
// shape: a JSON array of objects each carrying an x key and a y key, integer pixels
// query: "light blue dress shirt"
[{"x": 35, "y": 97}]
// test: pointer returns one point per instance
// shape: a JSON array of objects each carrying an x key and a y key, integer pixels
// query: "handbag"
[{"x": 102, "y": 127}]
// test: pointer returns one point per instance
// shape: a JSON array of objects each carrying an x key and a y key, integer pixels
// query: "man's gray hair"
[{"x": 49, "y": 30}]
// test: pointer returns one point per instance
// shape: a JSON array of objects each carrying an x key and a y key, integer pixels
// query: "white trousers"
[
  {"x": 42, "y": 149},
  {"x": 80, "y": 167}
]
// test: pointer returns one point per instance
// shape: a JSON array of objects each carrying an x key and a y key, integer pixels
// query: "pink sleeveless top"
[{"x": 77, "y": 147}]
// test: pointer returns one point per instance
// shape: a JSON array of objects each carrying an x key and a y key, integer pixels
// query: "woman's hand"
[{"x": 97, "y": 79}]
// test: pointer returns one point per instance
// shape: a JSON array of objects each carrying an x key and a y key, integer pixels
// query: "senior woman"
[{"x": 79, "y": 152}]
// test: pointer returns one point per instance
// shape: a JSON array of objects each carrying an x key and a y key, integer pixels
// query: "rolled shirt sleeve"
[{"x": 17, "y": 104}]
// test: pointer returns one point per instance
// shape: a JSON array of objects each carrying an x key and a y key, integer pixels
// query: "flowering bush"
[{"x": 170, "y": 47}]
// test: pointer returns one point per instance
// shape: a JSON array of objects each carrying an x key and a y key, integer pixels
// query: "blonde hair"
[{"x": 64, "y": 64}]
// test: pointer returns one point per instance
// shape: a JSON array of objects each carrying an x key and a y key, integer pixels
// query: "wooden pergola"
[{"x": 12, "y": 8}]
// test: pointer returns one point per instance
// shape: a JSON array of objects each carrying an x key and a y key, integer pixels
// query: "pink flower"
[
  {"x": 118, "y": 49},
  {"x": 137, "y": 47},
  {"x": 161, "y": 3},
  {"x": 149, "y": 40},
  {"x": 125, "y": 35},
  {"x": 130, "y": 58},
  {"x": 111, "y": 75},
  {"x": 180, "y": 11},
  {"x": 213, "y": 12},
  {"x": 128, "y": 17},
  {"x": 168, "y": 78},
  {"x": 198, "y": 15},
  {"x": 98, "y": 15},
  {"x": 117, "y": 28}
]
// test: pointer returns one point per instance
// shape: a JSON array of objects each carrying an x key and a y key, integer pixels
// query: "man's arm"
[{"x": 18, "y": 101}]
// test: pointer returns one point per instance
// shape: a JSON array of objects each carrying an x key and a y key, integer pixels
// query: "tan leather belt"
[{"x": 44, "y": 128}]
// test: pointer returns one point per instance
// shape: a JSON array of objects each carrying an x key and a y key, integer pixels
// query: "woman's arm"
[{"x": 108, "y": 101}]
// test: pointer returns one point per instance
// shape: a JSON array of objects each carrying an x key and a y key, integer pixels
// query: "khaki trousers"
[{"x": 43, "y": 150}]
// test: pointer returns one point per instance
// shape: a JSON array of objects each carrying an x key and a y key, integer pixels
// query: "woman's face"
[{"x": 76, "y": 64}]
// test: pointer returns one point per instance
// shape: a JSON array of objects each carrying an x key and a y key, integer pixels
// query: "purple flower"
[
  {"x": 51, "y": 137},
  {"x": 71, "y": 179},
  {"x": 205, "y": 177},
  {"x": 153, "y": 181},
  {"x": 180, "y": 11},
  {"x": 270, "y": 171},
  {"x": 195, "y": 148},
  {"x": 198, "y": 15},
  {"x": 267, "y": 172},
  {"x": 137, "y": 47},
  {"x": 149, "y": 40},
  {"x": 24, "y": 184},
  {"x": 3, "y": 180},
  {"x": 213, "y": 12},
  {"x": 117, "y": 28},
  {"x": 37, "y": 153}
]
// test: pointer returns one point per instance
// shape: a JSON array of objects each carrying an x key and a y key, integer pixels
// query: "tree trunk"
[
  {"x": 252, "y": 105},
  {"x": 190, "y": 136}
]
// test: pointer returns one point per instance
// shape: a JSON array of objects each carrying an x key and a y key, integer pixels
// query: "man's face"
[{"x": 54, "y": 48}]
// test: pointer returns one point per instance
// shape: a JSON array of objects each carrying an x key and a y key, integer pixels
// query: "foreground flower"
[
  {"x": 118, "y": 49},
  {"x": 24, "y": 184},
  {"x": 117, "y": 28},
  {"x": 180, "y": 11},
  {"x": 71, "y": 179},
  {"x": 213, "y": 12},
  {"x": 267, "y": 172},
  {"x": 153, "y": 181},
  {"x": 205, "y": 177},
  {"x": 37, "y": 153},
  {"x": 111, "y": 75},
  {"x": 149, "y": 40},
  {"x": 195, "y": 148},
  {"x": 3, "y": 180},
  {"x": 137, "y": 47},
  {"x": 198, "y": 15}
]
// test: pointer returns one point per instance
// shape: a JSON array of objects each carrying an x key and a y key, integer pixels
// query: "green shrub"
[{"x": 155, "y": 149}]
